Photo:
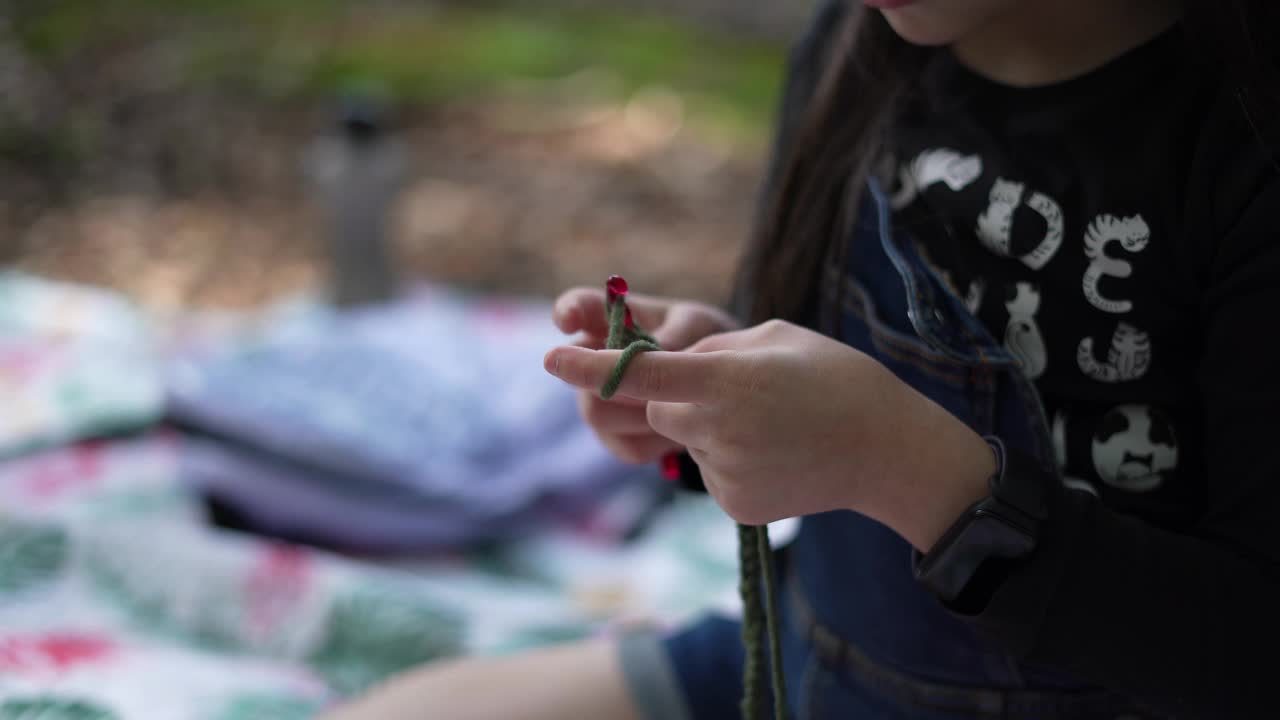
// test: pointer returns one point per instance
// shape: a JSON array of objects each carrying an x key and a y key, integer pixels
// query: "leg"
[{"x": 576, "y": 680}]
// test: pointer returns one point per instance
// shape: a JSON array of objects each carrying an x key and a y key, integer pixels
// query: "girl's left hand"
[{"x": 783, "y": 422}]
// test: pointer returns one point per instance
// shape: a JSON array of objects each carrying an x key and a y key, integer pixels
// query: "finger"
[
  {"x": 687, "y": 323},
  {"x": 590, "y": 342},
  {"x": 609, "y": 417},
  {"x": 664, "y": 376},
  {"x": 684, "y": 423},
  {"x": 582, "y": 310},
  {"x": 731, "y": 340},
  {"x": 615, "y": 400},
  {"x": 639, "y": 449}
]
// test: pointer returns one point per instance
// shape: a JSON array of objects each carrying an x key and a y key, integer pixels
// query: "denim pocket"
[{"x": 966, "y": 391}]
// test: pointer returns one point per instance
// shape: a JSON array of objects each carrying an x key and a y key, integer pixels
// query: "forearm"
[
  {"x": 1178, "y": 620},
  {"x": 941, "y": 467}
]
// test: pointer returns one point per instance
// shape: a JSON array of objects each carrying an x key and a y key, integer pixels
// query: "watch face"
[
  {"x": 982, "y": 534},
  {"x": 999, "y": 536}
]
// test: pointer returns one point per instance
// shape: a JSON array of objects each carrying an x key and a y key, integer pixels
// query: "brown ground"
[{"x": 207, "y": 205}]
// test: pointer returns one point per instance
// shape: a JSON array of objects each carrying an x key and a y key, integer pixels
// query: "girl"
[{"x": 1004, "y": 348}]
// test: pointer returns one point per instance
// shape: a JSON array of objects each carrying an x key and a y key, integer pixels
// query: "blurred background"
[
  {"x": 275, "y": 283},
  {"x": 166, "y": 148}
]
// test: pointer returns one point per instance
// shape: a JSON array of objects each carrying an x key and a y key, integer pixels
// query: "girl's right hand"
[{"x": 621, "y": 423}]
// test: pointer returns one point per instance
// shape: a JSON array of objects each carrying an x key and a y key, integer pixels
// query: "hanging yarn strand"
[
  {"x": 774, "y": 632},
  {"x": 753, "y": 623},
  {"x": 755, "y": 555}
]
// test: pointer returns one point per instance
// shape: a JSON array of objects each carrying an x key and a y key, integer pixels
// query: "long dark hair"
[{"x": 861, "y": 70}]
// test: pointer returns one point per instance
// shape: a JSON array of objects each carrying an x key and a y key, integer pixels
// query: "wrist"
[
  {"x": 967, "y": 564},
  {"x": 958, "y": 486},
  {"x": 937, "y": 482}
]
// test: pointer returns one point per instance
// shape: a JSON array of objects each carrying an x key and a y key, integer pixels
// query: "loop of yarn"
[
  {"x": 755, "y": 555},
  {"x": 630, "y": 339}
]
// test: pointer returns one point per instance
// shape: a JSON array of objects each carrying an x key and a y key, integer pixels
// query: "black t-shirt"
[
  {"x": 1119, "y": 232},
  {"x": 1059, "y": 215}
]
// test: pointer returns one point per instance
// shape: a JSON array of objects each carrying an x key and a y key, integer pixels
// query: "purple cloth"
[{"x": 423, "y": 424}]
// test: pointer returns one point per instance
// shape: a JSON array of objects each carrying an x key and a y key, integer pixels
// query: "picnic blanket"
[
  {"x": 119, "y": 600},
  {"x": 74, "y": 362}
]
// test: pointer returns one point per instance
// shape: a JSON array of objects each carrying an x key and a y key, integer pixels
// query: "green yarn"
[
  {"x": 752, "y": 625},
  {"x": 755, "y": 555},
  {"x": 630, "y": 340},
  {"x": 759, "y": 620},
  {"x": 772, "y": 629}
]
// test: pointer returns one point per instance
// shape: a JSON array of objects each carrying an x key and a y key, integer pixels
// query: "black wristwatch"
[{"x": 1004, "y": 525}]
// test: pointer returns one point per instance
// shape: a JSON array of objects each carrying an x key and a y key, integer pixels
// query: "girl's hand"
[
  {"x": 784, "y": 422},
  {"x": 621, "y": 423}
]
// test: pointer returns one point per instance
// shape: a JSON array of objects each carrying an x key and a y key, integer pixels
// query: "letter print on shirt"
[
  {"x": 1059, "y": 434},
  {"x": 973, "y": 296},
  {"x": 1132, "y": 234},
  {"x": 1134, "y": 447},
  {"x": 1128, "y": 358},
  {"x": 932, "y": 166},
  {"x": 995, "y": 224},
  {"x": 1022, "y": 335}
]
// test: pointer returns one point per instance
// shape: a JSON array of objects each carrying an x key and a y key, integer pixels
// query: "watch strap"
[{"x": 1004, "y": 525}]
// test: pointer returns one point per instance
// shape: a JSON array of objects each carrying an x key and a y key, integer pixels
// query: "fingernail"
[{"x": 551, "y": 362}]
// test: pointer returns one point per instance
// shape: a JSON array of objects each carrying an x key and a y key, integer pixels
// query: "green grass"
[{"x": 288, "y": 49}]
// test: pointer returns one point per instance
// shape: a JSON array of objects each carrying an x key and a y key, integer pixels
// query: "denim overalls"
[{"x": 863, "y": 638}]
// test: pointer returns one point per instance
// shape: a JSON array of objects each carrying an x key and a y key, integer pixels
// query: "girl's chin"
[
  {"x": 888, "y": 4},
  {"x": 920, "y": 28}
]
